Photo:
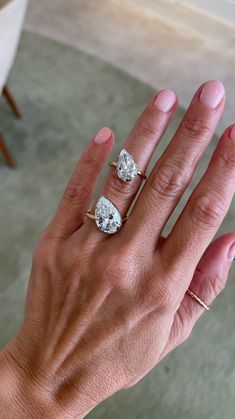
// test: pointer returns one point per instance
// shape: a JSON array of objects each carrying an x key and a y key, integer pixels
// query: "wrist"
[
  {"x": 18, "y": 399},
  {"x": 22, "y": 398},
  {"x": 10, "y": 391}
]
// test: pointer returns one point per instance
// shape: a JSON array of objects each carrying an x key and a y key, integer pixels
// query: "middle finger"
[
  {"x": 141, "y": 144},
  {"x": 174, "y": 170}
]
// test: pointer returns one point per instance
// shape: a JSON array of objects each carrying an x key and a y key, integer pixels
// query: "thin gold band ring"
[{"x": 197, "y": 299}]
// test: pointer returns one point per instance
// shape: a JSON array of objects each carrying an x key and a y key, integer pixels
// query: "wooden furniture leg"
[
  {"x": 11, "y": 101},
  {"x": 6, "y": 154}
]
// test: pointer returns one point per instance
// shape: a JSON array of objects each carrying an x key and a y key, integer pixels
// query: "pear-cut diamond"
[
  {"x": 108, "y": 218},
  {"x": 127, "y": 169}
]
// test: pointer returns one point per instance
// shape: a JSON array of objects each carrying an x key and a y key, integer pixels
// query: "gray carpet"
[{"x": 66, "y": 96}]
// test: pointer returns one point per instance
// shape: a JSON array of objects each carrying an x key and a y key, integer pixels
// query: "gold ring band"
[
  {"x": 89, "y": 214},
  {"x": 197, "y": 299},
  {"x": 114, "y": 164}
]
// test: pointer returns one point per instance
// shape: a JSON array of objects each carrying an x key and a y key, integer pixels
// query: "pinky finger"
[
  {"x": 208, "y": 282},
  {"x": 78, "y": 194}
]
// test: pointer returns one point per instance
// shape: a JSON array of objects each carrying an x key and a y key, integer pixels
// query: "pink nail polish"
[
  {"x": 231, "y": 253},
  {"x": 103, "y": 136},
  {"x": 232, "y": 133},
  {"x": 212, "y": 94},
  {"x": 165, "y": 100}
]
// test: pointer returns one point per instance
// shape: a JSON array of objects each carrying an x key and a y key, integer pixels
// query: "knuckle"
[
  {"x": 75, "y": 192},
  {"x": 227, "y": 160},
  {"x": 87, "y": 161},
  {"x": 115, "y": 187},
  {"x": 145, "y": 127},
  {"x": 170, "y": 179},
  {"x": 208, "y": 210},
  {"x": 195, "y": 128}
]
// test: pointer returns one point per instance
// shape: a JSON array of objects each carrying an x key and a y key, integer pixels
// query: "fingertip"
[
  {"x": 220, "y": 252},
  {"x": 211, "y": 94},
  {"x": 103, "y": 136},
  {"x": 165, "y": 101}
]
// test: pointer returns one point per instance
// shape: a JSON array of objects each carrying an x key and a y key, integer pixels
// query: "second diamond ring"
[
  {"x": 126, "y": 167},
  {"x": 107, "y": 217}
]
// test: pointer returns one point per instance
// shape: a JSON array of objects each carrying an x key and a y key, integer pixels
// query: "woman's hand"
[{"x": 103, "y": 310}]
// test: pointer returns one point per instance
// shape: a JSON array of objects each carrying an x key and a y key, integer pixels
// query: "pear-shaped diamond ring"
[
  {"x": 127, "y": 169},
  {"x": 107, "y": 217}
]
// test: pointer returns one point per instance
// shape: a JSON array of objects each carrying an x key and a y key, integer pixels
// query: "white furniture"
[{"x": 12, "y": 13}]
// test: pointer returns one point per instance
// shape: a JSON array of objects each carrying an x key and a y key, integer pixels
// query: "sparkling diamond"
[
  {"x": 108, "y": 218},
  {"x": 127, "y": 169}
]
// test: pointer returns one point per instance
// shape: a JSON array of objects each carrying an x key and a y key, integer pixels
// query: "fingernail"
[
  {"x": 231, "y": 253},
  {"x": 212, "y": 94},
  {"x": 232, "y": 133},
  {"x": 103, "y": 136},
  {"x": 165, "y": 100}
]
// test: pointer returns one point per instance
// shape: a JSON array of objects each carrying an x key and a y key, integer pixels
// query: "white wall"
[{"x": 224, "y": 9}]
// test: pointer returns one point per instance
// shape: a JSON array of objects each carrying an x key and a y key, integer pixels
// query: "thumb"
[{"x": 217, "y": 259}]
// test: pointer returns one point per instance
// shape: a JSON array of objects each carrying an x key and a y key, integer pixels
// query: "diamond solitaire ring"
[
  {"x": 107, "y": 217},
  {"x": 127, "y": 169}
]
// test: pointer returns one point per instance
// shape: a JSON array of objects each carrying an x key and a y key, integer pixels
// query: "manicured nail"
[
  {"x": 232, "y": 133},
  {"x": 231, "y": 253},
  {"x": 165, "y": 100},
  {"x": 212, "y": 94},
  {"x": 103, "y": 136}
]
